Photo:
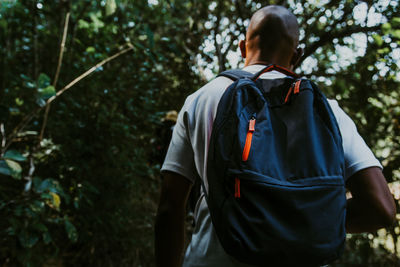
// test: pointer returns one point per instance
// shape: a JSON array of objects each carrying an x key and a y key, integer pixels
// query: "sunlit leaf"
[
  {"x": 56, "y": 200},
  {"x": 15, "y": 168},
  {"x": 83, "y": 24},
  {"x": 90, "y": 49},
  {"x": 96, "y": 22},
  {"x": 47, "y": 92},
  {"x": 19, "y": 101},
  {"x": 27, "y": 133},
  {"x": 111, "y": 6},
  {"x": 378, "y": 39},
  {"x": 396, "y": 34},
  {"x": 396, "y": 22}
]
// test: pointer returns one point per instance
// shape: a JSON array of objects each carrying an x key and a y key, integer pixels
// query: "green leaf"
[
  {"x": 46, "y": 93},
  {"x": 71, "y": 231},
  {"x": 15, "y": 155},
  {"x": 97, "y": 23},
  {"x": 396, "y": 34},
  {"x": 383, "y": 50},
  {"x": 90, "y": 49},
  {"x": 4, "y": 169},
  {"x": 378, "y": 39},
  {"x": 40, "y": 102},
  {"x": 110, "y": 7},
  {"x": 28, "y": 240},
  {"x": 43, "y": 80},
  {"x": 150, "y": 36},
  {"x": 15, "y": 168},
  {"x": 56, "y": 201},
  {"x": 19, "y": 101},
  {"x": 40, "y": 227},
  {"x": 37, "y": 206},
  {"x": 45, "y": 185},
  {"x": 83, "y": 24},
  {"x": 29, "y": 84},
  {"x": 46, "y": 237},
  {"x": 46, "y": 196},
  {"x": 386, "y": 27},
  {"x": 396, "y": 22}
]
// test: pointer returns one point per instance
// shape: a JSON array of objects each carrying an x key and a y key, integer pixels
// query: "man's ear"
[
  {"x": 242, "y": 46},
  {"x": 296, "y": 56}
]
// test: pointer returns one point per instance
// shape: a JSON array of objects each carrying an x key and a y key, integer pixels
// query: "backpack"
[{"x": 275, "y": 172}]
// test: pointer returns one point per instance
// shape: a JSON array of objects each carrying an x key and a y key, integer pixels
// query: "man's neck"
[
  {"x": 263, "y": 62},
  {"x": 256, "y": 59}
]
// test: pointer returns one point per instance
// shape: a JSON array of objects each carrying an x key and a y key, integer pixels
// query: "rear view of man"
[{"x": 272, "y": 38}]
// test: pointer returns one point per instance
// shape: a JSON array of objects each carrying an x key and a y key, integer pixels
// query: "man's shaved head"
[
  {"x": 273, "y": 25},
  {"x": 273, "y": 32}
]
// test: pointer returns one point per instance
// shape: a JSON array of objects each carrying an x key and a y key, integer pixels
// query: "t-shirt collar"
[{"x": 268, "y": 75}]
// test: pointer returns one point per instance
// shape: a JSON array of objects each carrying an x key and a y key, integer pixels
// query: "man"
[{"x": 272, "y": 38}]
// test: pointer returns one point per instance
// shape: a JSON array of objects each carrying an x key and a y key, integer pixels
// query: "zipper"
[
  {"x": 249, "y": 137},
  {"x": 246, "y": 151}
]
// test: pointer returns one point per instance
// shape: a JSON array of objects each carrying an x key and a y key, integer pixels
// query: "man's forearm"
[
  {"x": 372, "y": 205},
  {"x": 169, "y": 237},
  {"x": 360, "y": 219}
]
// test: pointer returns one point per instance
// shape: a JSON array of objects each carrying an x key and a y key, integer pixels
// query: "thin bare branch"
[
  {"x": 62, "y": 48},
  {"x": 60, "y": 58},
  {"x": 88, "y": 72},
  {"x": 28, "y": 178}
]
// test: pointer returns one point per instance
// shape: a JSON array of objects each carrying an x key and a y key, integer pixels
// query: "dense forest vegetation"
[{"x": 84, "y": 88}]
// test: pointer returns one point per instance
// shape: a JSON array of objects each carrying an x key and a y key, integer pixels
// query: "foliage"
[{"x": 85, "y": 192}]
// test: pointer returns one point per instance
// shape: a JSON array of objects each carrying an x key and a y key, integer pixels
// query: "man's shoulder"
[
  {"x": 217, "y": 84},
  {"x": 211, "y": 91}
]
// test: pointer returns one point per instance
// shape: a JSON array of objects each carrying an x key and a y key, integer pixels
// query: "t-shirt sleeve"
[
  {"x": 180, "y": 156},
  {"x": 357, "y": 154}
]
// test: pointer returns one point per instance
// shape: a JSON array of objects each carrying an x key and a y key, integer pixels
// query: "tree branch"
[
  {"x": 3, "y": 139},
  {"x": 60, "y": 58},
  {"x": 88, "y": 72},
  {"x": 31, "y": 115},
  {"x": 62, "y": 48},
  {"x": 328, "y": 37}
]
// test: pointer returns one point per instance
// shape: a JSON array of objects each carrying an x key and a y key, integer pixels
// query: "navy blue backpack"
[{"x": 276, "y": 172}]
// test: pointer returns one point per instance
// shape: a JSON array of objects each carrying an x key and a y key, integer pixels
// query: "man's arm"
[
  {"x": 170, "y": 220},
  {"x": 372, "y": 205}
]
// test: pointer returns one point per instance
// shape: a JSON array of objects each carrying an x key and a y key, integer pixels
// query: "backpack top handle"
[{"x": 272, "y": 67}]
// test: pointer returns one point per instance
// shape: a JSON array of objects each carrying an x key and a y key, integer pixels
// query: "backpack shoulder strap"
[{"x": 236, "y": 74}]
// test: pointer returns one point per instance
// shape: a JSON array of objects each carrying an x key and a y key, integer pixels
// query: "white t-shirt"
[{"x": 187, "y": 156}]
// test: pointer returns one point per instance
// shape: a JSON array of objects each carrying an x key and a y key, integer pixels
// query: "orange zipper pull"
[
  {"x": 249, "y": 137},
  {"x": 252, "y": 124},
  {"x": 237, "y": 187},
  {"x": 297, "y": 87}
]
